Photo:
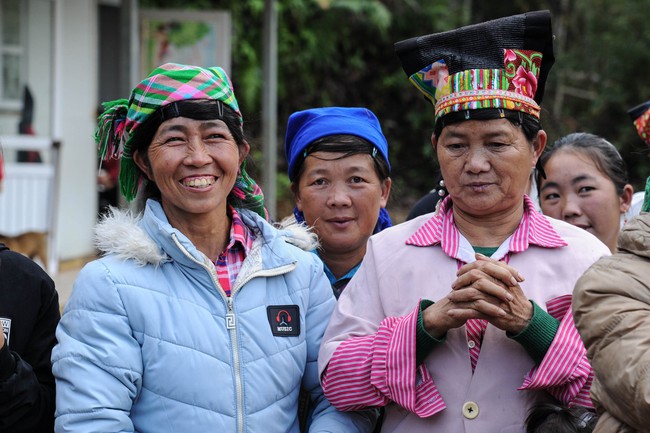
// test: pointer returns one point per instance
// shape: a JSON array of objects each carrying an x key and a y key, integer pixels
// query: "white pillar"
[{"x": 74, "y": 112}]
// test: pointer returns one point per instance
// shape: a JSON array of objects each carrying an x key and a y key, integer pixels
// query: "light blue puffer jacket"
[{"x": 148, "y": 342}]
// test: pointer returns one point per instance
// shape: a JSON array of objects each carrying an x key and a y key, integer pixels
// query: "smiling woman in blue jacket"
[{"x": 201, "y": 316}]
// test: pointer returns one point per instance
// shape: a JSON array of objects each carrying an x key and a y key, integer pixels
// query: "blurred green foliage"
[{"x": 340, "y": 52}]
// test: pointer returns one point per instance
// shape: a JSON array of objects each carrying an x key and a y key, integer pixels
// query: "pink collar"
[{"x": 534, "y": 229}]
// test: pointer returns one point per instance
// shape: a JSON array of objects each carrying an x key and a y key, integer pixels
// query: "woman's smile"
[{"x": 198, "y": 182}]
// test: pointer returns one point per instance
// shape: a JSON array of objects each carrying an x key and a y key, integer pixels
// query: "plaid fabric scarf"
[{"x": 168, "y": 83}]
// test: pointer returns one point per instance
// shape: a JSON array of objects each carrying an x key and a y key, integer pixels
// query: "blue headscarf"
[{"x": 305, "y": 127}]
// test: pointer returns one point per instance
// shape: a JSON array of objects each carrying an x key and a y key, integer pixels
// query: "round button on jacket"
[{"x": 470, "y": 410}]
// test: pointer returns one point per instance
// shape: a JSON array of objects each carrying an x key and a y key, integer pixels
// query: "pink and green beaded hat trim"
[
  {"x": 642, "y": 125},
  {"x": 510, "y": 88},
  {"x": 499, "y": 64}
]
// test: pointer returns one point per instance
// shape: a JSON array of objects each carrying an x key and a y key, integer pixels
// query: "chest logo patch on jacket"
[
  {"x": 284, "y": 320},
  {"x": 6, "y": 328}
]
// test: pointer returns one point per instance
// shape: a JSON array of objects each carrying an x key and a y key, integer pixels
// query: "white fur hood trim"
[
  {"x": 119, "y": 233},
  {"x": 298, "y": 234}
]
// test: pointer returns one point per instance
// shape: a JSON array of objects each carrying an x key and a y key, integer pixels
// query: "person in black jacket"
[{"x": 29, "y": 314}]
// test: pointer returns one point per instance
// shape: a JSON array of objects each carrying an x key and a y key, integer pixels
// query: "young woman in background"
[{"x": 586, "y": 185}]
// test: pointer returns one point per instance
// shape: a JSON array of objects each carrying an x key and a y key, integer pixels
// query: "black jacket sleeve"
[{"x": 27, "y": 391}]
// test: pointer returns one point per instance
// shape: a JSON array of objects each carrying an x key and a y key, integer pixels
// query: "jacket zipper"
[
  {"x": 231, "y": 319},
  {"x": 231, "y": 323},
  {"x": 232, "y": 329}
]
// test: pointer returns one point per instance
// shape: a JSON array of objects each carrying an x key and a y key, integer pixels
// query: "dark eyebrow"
[
  {"x": 549, "y": 185},
  {"x": 213, "y": 124},
  {"x": 489, "y": 135},
  {"x": 574, "y": 181},
  {"x": 580, "y": 178},
  {"x": 174, "y": 127},
  {"x": 203, "y": 126},
  {"x": 319, "y": 170}
]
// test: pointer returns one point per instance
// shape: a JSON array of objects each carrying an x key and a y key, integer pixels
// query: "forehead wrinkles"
[
  {"x": 331, "y": 163},
  {"x": 187, "y": 125},
  {"x": 485, "y": 135},
  {"x": 482, "y": 130}
]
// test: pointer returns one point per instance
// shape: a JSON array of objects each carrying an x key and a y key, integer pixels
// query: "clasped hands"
[{"x": 485, "y": 289}]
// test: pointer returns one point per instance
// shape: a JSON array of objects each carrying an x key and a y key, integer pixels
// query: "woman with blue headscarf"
[{"x": 339, "y": 172}]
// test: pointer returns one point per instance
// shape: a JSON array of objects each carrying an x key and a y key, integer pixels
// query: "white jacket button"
[{"x": 470, "y": 410}]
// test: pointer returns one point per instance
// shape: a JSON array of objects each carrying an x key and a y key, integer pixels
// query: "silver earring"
[{"x": 442, "y": 191}]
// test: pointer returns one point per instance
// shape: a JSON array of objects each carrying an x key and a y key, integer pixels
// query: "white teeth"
[{"x": 199, "y": 183}]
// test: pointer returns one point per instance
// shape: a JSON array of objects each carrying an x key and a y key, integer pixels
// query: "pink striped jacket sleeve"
[
  {"x": 375, "y": 369},
  {"x": 565, "y": 372}
]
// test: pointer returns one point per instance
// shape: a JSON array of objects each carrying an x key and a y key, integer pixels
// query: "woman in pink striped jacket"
[{"x": 460, "y": 320}]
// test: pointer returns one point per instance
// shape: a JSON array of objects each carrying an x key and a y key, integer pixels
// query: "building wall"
[
  {"x": 74, "y": 113},
  {"x": 61, "y": 69},
  {"x": 39, "y": 62}
]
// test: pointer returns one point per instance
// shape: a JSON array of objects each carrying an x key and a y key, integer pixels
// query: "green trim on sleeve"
[
  {"x": 538, "y": 335},
  {"x": 424, "y": 342}
]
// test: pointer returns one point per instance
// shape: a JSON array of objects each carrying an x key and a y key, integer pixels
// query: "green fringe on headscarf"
[
  {"x": 114, "y": 142},
  {"x": 110, "y": 125},
  {"x": 646, "y": 197},
  {"x": 130, "y": 181},
  {"x": 246, "y": 194}
]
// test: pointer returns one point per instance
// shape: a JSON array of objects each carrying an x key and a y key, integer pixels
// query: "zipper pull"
[{"x": 230, "y": 316}]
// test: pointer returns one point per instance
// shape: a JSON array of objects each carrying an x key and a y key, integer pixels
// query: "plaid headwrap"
[
  {"x": 171, "y": 82},
  {"x": 500, "y": 64}
]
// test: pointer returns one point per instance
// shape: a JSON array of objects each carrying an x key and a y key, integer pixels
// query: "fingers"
[
  {"x": 480, "y": 258},
  {"x": 489, "y": 289},
  {"x": 481, "y": 289},
  {"x": 436, "y": 319},
  {"x": 495, "y": 278},
  {"x": 480, "y": 309},
  {"x": 477, "y": 281},
  {"x": 490, "y": 271},
  {"x": 510, "y": 317},
  {"x": 445, "y": 314},
  {"x": 501, "y": 269}
]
